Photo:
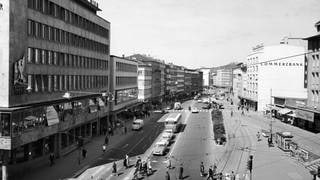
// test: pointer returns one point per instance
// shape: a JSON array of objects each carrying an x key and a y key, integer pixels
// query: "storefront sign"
[
  {"x": 5, "y": 143},
  {"x": 309, "y": 116}
]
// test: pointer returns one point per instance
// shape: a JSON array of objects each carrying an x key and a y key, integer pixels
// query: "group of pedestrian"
[
  {"x": 143, "y": 167},
  {"x": 180, "y": 175}
]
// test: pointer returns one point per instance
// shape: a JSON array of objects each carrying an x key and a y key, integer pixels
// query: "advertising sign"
[
  {"x": 5, "y": 143},
  {"x": 309, "y": 116},
  {"x": 52, "y": 116}
]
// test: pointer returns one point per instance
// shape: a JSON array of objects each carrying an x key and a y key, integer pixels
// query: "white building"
[
  {"x": 274, "y": 71},
  {"x": 206, "y": 77},
  {"x": 144, "y": 81},
  {"x": 238, "y": 82}
]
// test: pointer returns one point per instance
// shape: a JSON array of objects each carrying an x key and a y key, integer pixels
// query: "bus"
[{"x": 173, "y": 122}]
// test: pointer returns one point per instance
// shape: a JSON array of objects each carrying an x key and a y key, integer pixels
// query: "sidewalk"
[{"x": 67, "y": 166}]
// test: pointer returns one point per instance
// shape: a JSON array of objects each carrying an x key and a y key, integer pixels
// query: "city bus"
[{"x": 173, "y": 122}]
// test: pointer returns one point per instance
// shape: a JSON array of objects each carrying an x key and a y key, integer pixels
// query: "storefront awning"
[{"x": 284, "y": 111}]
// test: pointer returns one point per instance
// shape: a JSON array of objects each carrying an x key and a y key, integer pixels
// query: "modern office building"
[
  {"x": 54, "y": 76},
  {"x": 123, "y": 85},
  {"x": 274, "y": 71},
  {"x": 193, "y": 81},
  {"x": 223, "y": 78},
  {"x": 171, "y": 81},
  {"x": 158, "y": 75},
  {"x": 181, "y": 80},
  {"x": 144, "y": 82},
  {"x": 207, "y": 81}
]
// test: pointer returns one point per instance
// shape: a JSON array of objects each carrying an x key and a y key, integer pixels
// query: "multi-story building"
[
  {"x": 50, "y": 50},
  {"x": 274, "y": 71},
  {"x": 158, "y": 75},
  {"x": 223, "y": 78},
  {"x": 238, "y": 74},
  {"x": 171, "y": 80},
  {"x": 123, "y": 85},
  {"x": 308, "y": 115},
  {"x": 193, "y": 81},
  {"x": 144, "y": 81},
  {"x": 206, "y": 77},
  {"x": 180, "y": 80}
]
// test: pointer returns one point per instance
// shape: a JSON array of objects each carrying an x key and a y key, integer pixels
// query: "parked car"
[
  {"x": 206, "y": 107},
  {"x": 160, "y": 148},
  {"x": 168, "y": 136},
  {"x": 199, "y": 100},
  {"x": 194, "y": 110}
]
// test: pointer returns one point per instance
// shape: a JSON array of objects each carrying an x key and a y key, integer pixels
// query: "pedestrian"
[
  {"x": 231, "y": 113},
  {"x": 106, "y": 140},
  {"x": 258, "y": 136},
  {"x": 109, "y": 131},
  {"x": 125, "y": 130},
  {"x": 149, "y": 171},
  {"x": 125, "y": 163},
  {"x": 127, "y": 160},
  {"x": 201, "y": 169},
  {"x": 210, "y": 173},
  {"x": 181, "y": 172},
  {"x": 84, "y": 153},
  {"x": 51, "y": 158},
  {"x": 104, "y": 148},
  {"x": 169, "y": 163},
  {"x": 233, "y": 176},
  {"x": 242, "y": 113},
  {"x": 167, "y": 176},
  {"x": 114, "y": 168}
]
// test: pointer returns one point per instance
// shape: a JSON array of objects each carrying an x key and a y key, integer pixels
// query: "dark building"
[{"x": 54, "y": 76}]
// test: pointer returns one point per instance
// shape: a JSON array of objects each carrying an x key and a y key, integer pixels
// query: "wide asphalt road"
[{"x": 134, "y": 145}]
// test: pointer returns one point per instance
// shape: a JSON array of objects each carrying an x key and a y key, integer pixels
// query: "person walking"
[
  {"x": 51, "y": 158},
  {"x": 181, "y": 172},
  {"x": 210, "y": 173},
  {"x": 167, "y": 176},
  {"x": 127, "y": 160},
  {"x": 231, "y": 113},
  {"x": 114, "y": 168},
  {"x": 201, "y": 169},
  {"x": 169, "y": 163},
  {"x": 104, "y": 148},
  {"x": 149, "y": 167},
  {"x": 233, "y": 176},
  {"x": 84, "y": 153}
]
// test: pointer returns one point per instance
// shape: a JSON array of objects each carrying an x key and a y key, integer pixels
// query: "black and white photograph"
[{"x": 160, "y": 89}]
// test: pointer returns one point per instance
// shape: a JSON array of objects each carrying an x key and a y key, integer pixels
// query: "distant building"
[
  {"x": 223, "y": 78},
  {"x": 207, "y": 81},
  {"x": 274, "y": 71},
  {"x": 158, "y": 75},
  {"x": 144, "y": 81},
  {"x": 193, "y": 81},
  {"x": 238, "y": 73},
  {"x": 171, "y": 80},
  {"x": 181, "y": 80}
]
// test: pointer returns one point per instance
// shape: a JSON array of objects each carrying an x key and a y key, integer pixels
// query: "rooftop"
[{"x": 90, "y": 4}]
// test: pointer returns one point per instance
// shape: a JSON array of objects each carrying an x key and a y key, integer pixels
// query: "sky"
[{"x": 204, "y": 33}]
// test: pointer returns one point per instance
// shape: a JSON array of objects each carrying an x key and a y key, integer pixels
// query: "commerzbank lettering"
[{"x": 281, "y": 64}]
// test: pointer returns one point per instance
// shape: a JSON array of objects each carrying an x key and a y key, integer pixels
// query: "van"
[{"x": 137, "y": 124}]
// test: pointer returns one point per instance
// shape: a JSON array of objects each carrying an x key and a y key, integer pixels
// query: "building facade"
[
  {"x": 144, "y": 81},
  {"x": 207, "y": 81},
  {"x": 223, "y": 78},
  {"x": 49, "y": 49},
  {"x": 180, "y": 80},
  {"x": 171, "y": 80},
  {"x": 123, "y": 85},
  {"x": 269, "y": 69},
  {"x": 238, "y": 80},
  {"x": 158, "y": 75}
]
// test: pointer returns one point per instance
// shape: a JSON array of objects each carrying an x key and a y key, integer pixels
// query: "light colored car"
[
  {"x": 160, "y": 148},
  {"x": 200, "y": 100},
  {"x": 168, "y": 136},
  {"x": 137, "y": 124},
  {"x": 194, "y": 110}
]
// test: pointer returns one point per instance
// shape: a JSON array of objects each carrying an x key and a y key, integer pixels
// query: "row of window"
[
  {"x": 54, "y": 10},
  {"x": 53, "y": 83},
  {"x": 46, "y": 32},
  {"x": 41, "y": 56},
  {"x": 314, "y": 45},
  {"x": 144, "y": 73},
  {"x": 124, "y": 67},
  {"x": 315, "y": 60},
  {"x": 120, "y": 81}
]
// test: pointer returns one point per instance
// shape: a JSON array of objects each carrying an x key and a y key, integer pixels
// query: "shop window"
[{"x": 5, "y": 124}]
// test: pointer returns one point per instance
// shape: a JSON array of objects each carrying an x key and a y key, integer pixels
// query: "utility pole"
[{"x": 271, "y": 118}]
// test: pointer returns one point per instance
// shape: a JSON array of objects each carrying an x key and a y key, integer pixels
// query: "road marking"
[
  {"x": 99, "y": 170},
  {"x": 135, "y": 145}
]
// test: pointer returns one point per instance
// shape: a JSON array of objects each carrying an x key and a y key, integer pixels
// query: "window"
[
  {"x": 37, "y": 55},
  {"x": 5, "y": 124},
  {"x": 31, "y": 54},
  {"x": 55, "y": 82}
]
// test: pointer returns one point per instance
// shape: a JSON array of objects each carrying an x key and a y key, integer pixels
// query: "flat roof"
[
  {"x": 90, "y": 4},
  {"x": 311, "y": 37}
]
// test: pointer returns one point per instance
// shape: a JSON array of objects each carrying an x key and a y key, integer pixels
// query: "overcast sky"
[{"x": 205, "y": 33}]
